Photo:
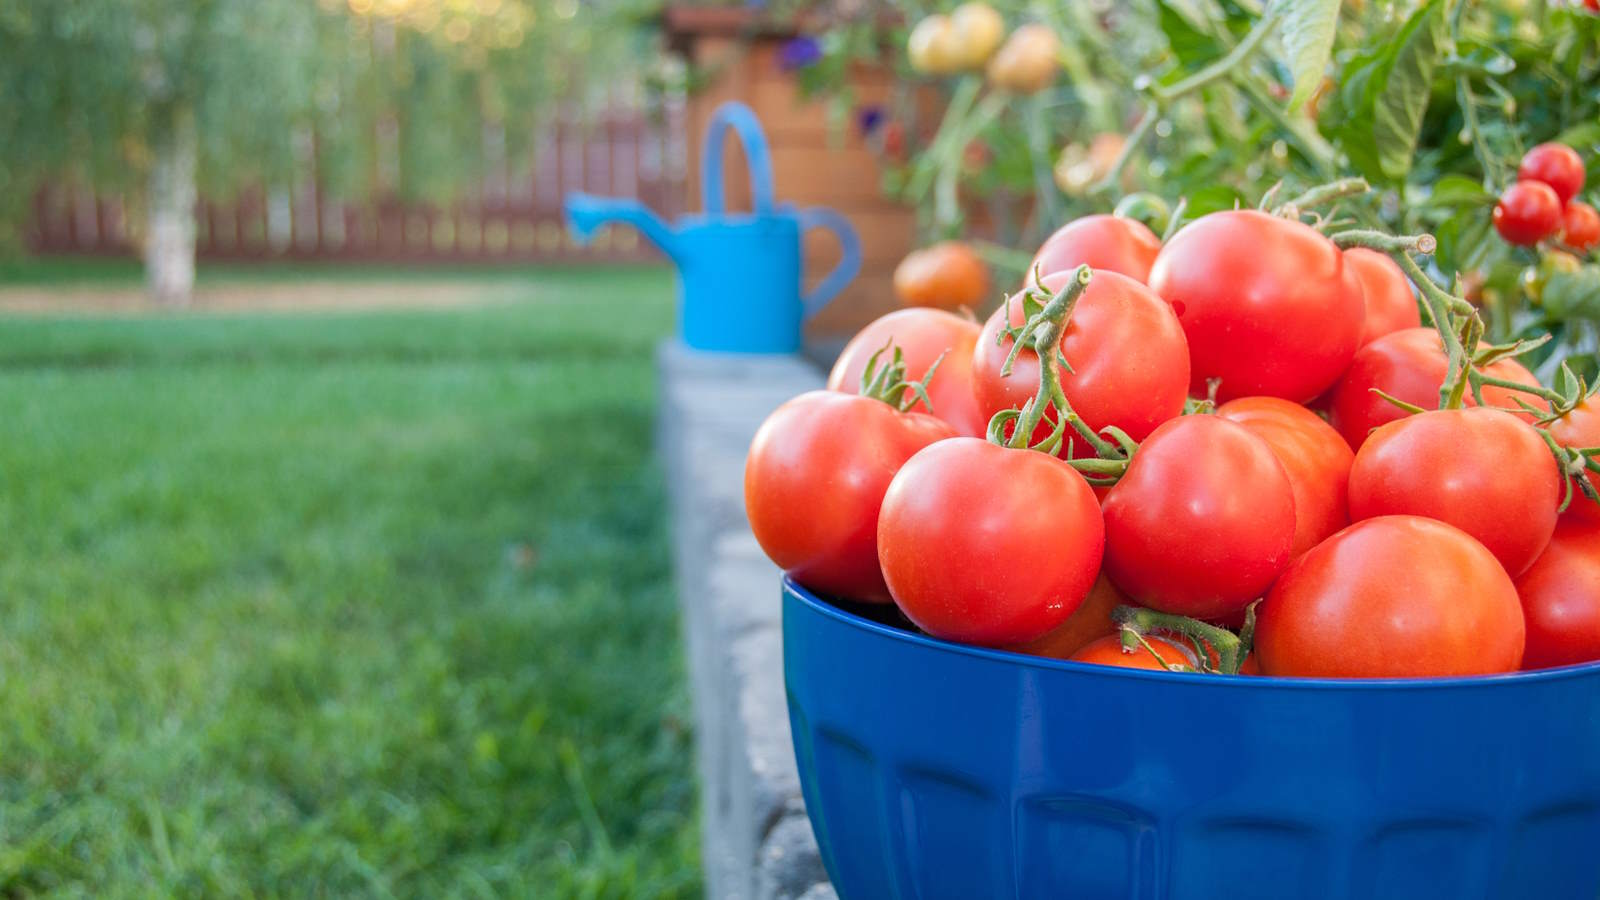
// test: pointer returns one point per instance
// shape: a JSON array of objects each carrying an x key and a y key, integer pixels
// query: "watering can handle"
[
  {"x": 849, "y": 263},
  {"x": 743, "y": 121}
]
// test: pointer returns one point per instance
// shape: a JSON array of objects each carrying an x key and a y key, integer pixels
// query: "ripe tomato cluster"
[
  {"x": 1543, "y": 203},
  {"x": 1234, "y": 450}
]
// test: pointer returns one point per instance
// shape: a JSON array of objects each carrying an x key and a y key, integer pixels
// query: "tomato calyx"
[
  {"x": 1230, "y": 650},
  {"x": 1044, "y": 320},
  {"x": 1461, "y": 329},
  {"x": 888, "y": 383}
]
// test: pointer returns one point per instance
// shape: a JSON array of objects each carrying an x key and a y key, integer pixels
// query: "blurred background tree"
[{"x": 159, "y": 98}]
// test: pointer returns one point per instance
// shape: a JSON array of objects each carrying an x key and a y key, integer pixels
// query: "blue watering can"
[{"x": 738, "y": 275}]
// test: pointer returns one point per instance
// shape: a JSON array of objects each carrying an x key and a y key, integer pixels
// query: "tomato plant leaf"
[
  {"x": 1403, "y": 99},
  {"x": 1573, "y": 294},
  {"x": 1459, "y": 190},
  {"x": 1385, "y": 94},
  {"x": 1185, "y": 23},
  {"x": 1213, "y": 199},
  {"x": 1307, "y": 34}
]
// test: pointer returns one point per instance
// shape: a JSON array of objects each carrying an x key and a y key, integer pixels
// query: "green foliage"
[
  {"x": 1433, "y": 101},
  {"x": 1385, "y": 92},
  {"x": 1308, "y": 30},
  {"x": 342, "y": 605},
  {"x": 415, "y": 96}
]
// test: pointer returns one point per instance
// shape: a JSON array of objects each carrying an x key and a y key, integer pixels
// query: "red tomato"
[
  {"x": 987, "y": 545},
  {"x": 1409, "y": 365},
  {"x": 1482, "y": 470},
  {"x": 1268, "y": 305},
  {"x": 1390, "y": 305},
  {"x": 1580, "y": 428},
  {"x": 1089, "y": 621},
  {"x": 922, "y": 335},
  {"x": 816, "y": 475},
  {"x": 1580, "y": 226},
  {"x": 1108, "y": 651},
  {"x": 1101, "y": 242},
  {"x": 1556, "y": 165},
  {"x": 1202, "y": 521},
  {"x": 1561, "y": 598},
  {"x": 1528, "y": 212},
  {"x": 1313, "y": 455},
  {"x": 1391, "y": 597},
  {"x": 1130, "y": 365}
]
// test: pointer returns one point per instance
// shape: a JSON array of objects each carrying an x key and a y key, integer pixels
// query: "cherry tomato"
[
  {"x": 1408, "y": 365},
  {"x": 988, "y": 545},
  {"x": 1130, "y": 364},
  {"x": 1390, "y": 305},
  {"x": 1580, "y": 428},
  {"x": 1561, "y": 598},
  {"x": 1556, "y": 165},
  {"x": 1202, "y": 521},
  {"x": 1580, "y": 226},
  {"x": 1482, "y": 470},
  {"x": 1268, "y": 305},
  {"x": 1089, "y": 621},
  {"x": 1108, "y": 651},
  {"x": 816, "y": 475},
  {"x": 947, "y": 275},
  {"x": 1101, "y": 242},
  {"x": 922, "y": 335},
  {"x": 1528, "y": 212},
  {"x": 1313, "y": 455},
  {"x": 1391, "y": 597}
]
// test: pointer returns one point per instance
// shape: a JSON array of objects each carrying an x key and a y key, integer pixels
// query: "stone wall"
[{"x": 757, "y": 841}]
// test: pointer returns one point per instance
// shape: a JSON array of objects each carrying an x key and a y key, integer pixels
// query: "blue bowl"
[{"x": 934, "y": 770}]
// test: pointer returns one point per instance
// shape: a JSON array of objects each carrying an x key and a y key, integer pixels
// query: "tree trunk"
[{"x": 170, "y": 225}]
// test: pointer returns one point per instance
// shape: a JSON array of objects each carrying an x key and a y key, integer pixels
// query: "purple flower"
[
  {"x": 799, "y": 53},
  {"x": 869, "y": 119}
]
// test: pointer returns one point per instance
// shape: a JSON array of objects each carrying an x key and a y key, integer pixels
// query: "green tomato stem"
[
  {"x": 1142, "y": 621},
  {"x": 1259, "y": 32},
  {"x": 1133, "y": 641},
  {"x": 1324, "y": 194},
  {"x": 1441, "y": 306},
  {"x": 1113, "y": 175}
]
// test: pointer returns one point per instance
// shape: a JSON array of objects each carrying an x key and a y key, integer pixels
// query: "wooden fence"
[{"x": 511, "y": 216}]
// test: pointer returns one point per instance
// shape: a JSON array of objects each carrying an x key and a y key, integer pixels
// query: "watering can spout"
[{"x": 586, "y": 213}]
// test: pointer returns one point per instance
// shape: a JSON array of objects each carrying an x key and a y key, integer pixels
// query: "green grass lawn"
[{"x": 333, "y": 605}]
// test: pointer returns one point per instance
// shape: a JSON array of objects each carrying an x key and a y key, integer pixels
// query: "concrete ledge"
[{"x": 756, "y": 841}]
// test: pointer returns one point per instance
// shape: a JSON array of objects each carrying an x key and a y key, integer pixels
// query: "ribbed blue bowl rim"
[{"x": 1232, "y": 682}]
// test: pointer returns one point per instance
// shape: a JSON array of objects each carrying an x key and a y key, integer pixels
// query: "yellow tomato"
[
  {"x": 933, "y": 47},
  {"x": 979, "y": 31},
  {"x": 1026, "y": 62}
]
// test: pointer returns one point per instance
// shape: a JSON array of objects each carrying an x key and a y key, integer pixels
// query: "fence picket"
[{"x": 511, "y": 215}]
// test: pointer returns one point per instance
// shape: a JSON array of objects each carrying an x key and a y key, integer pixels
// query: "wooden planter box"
[{"x": 814, "y": 163}]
